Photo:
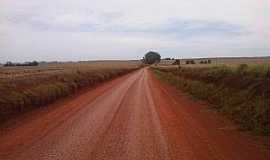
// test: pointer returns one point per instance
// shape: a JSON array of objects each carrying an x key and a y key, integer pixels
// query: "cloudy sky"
[{"x": 126, "y": 29}]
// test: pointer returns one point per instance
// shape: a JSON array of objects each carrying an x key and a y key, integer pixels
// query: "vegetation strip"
[
  {"x": 242, "y": 93},
  {"x": 23, "y": 93}
]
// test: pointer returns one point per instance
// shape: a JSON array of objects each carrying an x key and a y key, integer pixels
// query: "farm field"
[
  {"x": 236, "y": 88},
  {"x": 219, "y": 61},
  {"x": 27, "y": 87},
  {"x": 134, "y": 116},
  {"x": 124, "y": 105},
  {"x": 135, "y": 80}
]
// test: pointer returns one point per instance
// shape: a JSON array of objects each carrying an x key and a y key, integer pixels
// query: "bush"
[
  {"x": 205, "y": 61},
  {"x": 190, "y": 62},
  {"x": 242, "y": 69},
  {"x": 176, "y": 62}
]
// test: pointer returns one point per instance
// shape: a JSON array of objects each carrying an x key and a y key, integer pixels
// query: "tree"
[
  {"x": 167, "y": 58},
  {"x": 34, "y": 63},
  {"x": 151, "y": 57},
  {"x": 9, "y": 64},
  {"x": 176, "y": 62}
]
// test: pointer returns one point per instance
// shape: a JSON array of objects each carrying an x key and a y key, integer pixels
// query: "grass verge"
[
  {"x": 27, "y": 92},
  {"x": 241, "y": 94}
]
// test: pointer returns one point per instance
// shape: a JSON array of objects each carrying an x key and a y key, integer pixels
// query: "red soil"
[{"x": 132, "y": 117}]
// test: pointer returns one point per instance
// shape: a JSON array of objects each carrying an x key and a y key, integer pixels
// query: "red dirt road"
[{"x": 134, "y": 117}]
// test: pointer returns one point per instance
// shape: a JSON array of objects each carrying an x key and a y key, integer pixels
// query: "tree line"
[{"x": 11, "y": 64}]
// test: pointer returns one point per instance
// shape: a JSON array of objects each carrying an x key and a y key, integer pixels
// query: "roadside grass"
[
  {"x": 25, "y": 88},
  {"x": 242, "y": 93}
]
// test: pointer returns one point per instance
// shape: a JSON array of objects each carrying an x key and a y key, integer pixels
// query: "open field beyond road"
[
  {"x": 220, "y": 61},
  {"x": 132, "y": 117}
]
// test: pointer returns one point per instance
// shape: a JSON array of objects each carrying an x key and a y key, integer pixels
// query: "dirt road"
[{"x": 132, "y": 117}]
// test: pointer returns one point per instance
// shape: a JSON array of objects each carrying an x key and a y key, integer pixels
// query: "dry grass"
[
  {"x": 22, "y": 88},
  {"x": 242, "y": 92}
]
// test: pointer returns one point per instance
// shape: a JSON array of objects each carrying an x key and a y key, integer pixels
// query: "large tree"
[{"x": 151, "y": 57}]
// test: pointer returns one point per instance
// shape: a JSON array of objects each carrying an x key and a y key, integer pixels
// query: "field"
[
  {"x": 23, "y": 88},
  {"x": 232, "y": 61},
  {"x": 240, "y": 91},
  {"x": 134, "y": 116}
]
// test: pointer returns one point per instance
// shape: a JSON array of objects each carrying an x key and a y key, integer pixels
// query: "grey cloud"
[{"x": 60, "y": 28}]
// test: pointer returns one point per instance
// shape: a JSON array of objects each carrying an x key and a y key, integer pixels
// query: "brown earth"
[{"x": 132, "y": 117}]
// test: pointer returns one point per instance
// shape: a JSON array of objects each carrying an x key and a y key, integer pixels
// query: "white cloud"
[{"x": 120, "y": 29}]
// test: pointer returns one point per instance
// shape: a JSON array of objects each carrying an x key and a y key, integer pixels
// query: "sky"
[{"x": 73, "y": 30}]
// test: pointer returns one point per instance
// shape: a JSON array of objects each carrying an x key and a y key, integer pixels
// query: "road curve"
[{"x": 133, "y": 117}]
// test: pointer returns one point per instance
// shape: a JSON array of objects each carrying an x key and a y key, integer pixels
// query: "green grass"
[{"x": 242, "y": 93}]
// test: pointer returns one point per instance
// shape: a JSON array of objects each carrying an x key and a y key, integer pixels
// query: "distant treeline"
[
  {"x": 177, "y": 62},
  {"x": 168, "y": 58},
  {"x": 10, "y": 64}
]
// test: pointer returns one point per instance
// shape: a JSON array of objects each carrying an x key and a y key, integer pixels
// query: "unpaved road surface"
[{"x": 134, "y": 117}]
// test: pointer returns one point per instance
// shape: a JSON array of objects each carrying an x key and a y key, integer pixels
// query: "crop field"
[
  {"x": 32, "y": 86},
  {"x": 241, "y": 92},
  {"x": 230, "y": 61}
]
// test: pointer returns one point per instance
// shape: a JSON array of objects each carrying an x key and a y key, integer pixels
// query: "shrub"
[
  {"x": 176, "y": 62},
  {"x": 242, "y": 69},
  {"x": 190, "y": 62}
]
